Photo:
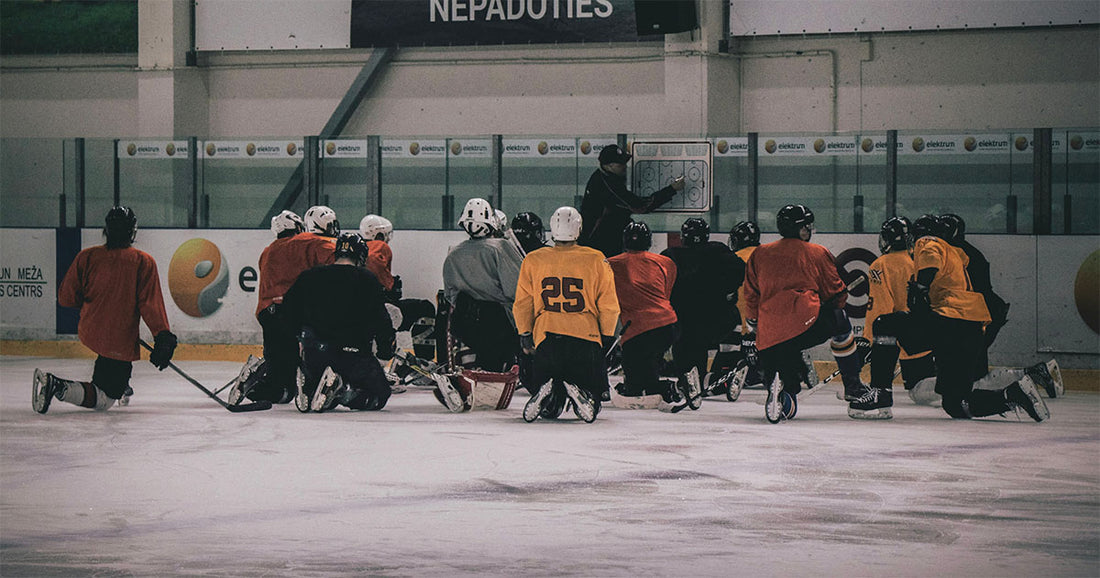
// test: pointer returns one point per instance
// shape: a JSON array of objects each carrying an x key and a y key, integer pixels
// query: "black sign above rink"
[{"x": 490, "y": 22}]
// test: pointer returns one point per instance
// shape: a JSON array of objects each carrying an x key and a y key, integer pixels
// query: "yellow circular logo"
[
  {"x": 867, "y": 145},
  {"x": 586, "y": 147},
  {"x": 131, "y": 149},
  {"x": 1086, "y": 291},
  {"x": 1021, "y": 143},
  {"x": 456, "y": 148},
  {"x": 330, "y": 147},
  {"x": 291, "y": 148},
  {"x": 970, "y": 143},
  {"x": 170, "y": 149},
  {"x": 198, "y": 277},
  {"x": 770, "y": 146},
  {"x": 543, "y": 147},
  {"x": 414, "y": 148},
  {"x": 918, "y": 144},
  {"x": 250, "y": 149},
  {"x": 211, "y": 149},
  {"x": 819, "y": 145},
  {"x": 722, "y": 146}
]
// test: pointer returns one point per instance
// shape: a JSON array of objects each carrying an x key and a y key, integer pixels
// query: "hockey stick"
[
  {"x": 617, "y": 339},
  {"x": 257, "y": 406}
]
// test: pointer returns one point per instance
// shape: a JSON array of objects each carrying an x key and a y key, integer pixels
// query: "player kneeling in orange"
[{"x": 115, "y": 286}]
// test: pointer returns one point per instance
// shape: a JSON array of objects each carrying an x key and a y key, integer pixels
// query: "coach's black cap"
[{"x": 613, "y": 154}]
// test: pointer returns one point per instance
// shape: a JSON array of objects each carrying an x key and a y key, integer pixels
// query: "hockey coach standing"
[
  {"x": 114, "y": 285},
  {"x": 607, "y": 204}
]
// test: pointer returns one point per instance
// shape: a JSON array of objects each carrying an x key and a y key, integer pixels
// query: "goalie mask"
[
  {"x": 744, "y": 234},
  {"x": 895, "y": 235},
  {"x": 287, "y": 224},
  {"x": 373, "y": 225},
  {"x": 637, "y": 237},
  {"x": 791, "y": 219},
  {"x": 565, "y": 224},
  {"x": 527, "y": 228},
  {"x": 120, "y": 227},
  {"x": 351, "y": 246},
  {"x": 322, "y": 221},
  {"x": 695, "y": 231},
  {"x": 478, "y": 218}
]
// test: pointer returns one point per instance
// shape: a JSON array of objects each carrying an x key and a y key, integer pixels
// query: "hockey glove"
[
  {"x": 748, "y": 348},
  {"x": 164, "y": 345},
  {"x": 527, "y": 343},
  {"x": 386, "y": 349},
  {"x": 918, "y": 300}
]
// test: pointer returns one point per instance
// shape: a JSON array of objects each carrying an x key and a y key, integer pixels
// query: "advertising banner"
[
  {"x": 173, "y": 149},
  {"x": 809, "y": 145},
  {"x": 284, "y": 149},
  {"x": 540, "y": 148},
  {"x": 731, "y": 146},
  {"x": 490, "y": 22},
  {"x": 343, "y": 149},
  {"x": 28, "y": 283},
  {"x": 469, "y": 148}
]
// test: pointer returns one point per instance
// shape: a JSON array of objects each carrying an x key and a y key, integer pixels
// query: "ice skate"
[
  {"x": 875, "y": 403},
  {"x": 246, "y": 380},
  {"x": 533, "y": 409},
  {"x": 773, "y": 407},
  {"x": 126, "y": 395},
  {"x": 809, "y": 377},
  {"x": 301, "y": 401},
  {"x": 44, "y": 389},
  {"x": 584, "y": 405},
  {"x": 788, "y": 404},
  {"x": 673, "y": 400},
  {"x": 692, "y": 391},
  {"x": 1042, "y": 375},
  {"x": 329, "y": 391},
  {"x": 452, "y": 398},
  {"x": 854, "y": 389},
  {"x": 1024, "y": 395},
  {"x": 735, "y": 380}
]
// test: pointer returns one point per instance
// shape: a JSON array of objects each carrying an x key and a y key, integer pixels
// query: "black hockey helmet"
[
  {"x": 351, "y": 246},
  {"x": 528, "y": 229},
  {"x": 954, "y": 228},
  {"x": 927, "y": 226},
  {"x": 744, "y": 234},
  {"x": 694, "y": 231},
  {"x": 895, "y": 235},
  {"x": 120, "y": 226},
  {"x": 791, "y": 219},
  {"x": 637, "y": 237}
]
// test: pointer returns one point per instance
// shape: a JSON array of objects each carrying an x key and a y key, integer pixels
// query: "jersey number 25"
[{"x": 567, "y": 289}]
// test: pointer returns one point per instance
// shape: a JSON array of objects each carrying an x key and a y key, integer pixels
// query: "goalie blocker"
[{"x": 472, "y": 389}]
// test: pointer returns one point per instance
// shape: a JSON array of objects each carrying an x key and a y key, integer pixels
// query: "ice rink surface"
[{"x": 175, "y": 485}]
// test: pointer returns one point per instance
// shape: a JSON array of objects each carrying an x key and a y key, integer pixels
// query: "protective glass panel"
[
  {"x": 154, "y": 179},
  {"x": 821, "y": 172},
  {"x": 243, "y": 179},
  {"x": 1075, "y": 186},
  {"x": 413, "y": 183},
  {"x": 31, "y": 181}
]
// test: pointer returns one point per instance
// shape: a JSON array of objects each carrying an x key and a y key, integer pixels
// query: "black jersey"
[
  {"x": 342, "y": 305},
  {"x": 707, "y": 279}
]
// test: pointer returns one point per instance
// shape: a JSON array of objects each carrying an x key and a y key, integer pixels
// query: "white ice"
[{"x": 175, "y": 485}]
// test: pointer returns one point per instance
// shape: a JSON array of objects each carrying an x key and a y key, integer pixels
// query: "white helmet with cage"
[
  {"x": 287, "y": 221},
  {"x": 373, "y": 225},
  {"x": 565, "y": 224},
  {"x": 322, "y": 220},
  {"x": 478, "y": 218}
]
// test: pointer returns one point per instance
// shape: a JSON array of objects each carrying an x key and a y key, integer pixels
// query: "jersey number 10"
[{"x": 568, "y": 289}]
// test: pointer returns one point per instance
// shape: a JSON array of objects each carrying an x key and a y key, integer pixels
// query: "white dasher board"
[{"x": 657, "y": 164}]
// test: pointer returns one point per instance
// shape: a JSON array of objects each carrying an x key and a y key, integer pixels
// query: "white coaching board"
[{"x": 658, "y": 163}]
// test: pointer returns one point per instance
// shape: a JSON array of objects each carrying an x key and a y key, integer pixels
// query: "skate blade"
[
  {"x": 1056, "y": 375},
  {"x": 880, "y": 413}
]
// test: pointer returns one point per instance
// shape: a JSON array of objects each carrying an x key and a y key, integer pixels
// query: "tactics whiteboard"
[{"x": 657, "y": 164}]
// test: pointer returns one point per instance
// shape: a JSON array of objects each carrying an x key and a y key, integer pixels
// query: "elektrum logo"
[{"x": 198, "y": 277}]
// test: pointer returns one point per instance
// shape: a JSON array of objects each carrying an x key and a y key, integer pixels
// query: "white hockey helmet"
[
  {"x": 478, "y": 218},
  {"x": 502, "y": 220},
  {"x": 287, "y": 221},
  {"x": 373, "y": 225},
  {"x": 565, "y": 224},
  {"x": 322, "y": 220}
]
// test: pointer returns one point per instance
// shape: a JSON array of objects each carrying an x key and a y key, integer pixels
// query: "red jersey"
[
  {"x": 786, "y": 282},
  {"x": 114, "y": 288},
  {"x": 643, "y": 283},
  {"x": 284, "y": 259},
  {"x": 379, "y": 262}
]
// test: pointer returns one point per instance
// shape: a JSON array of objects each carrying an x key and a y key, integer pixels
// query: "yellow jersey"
[
  {"x": 744, "y": 253},
  {"x": 951, "y": 292},
  {"x": 888, "y": 277},
  {"x": 567, "y": 290}
]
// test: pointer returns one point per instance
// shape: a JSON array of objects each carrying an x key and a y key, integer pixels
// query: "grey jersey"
[{"x": 485, "y": 269}]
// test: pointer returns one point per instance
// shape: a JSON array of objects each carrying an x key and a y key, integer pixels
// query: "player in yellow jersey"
[
  {"x": 566, "y": 310},
  {"x": 888, "y": 277},
  {"x": 946, "y": 315}
]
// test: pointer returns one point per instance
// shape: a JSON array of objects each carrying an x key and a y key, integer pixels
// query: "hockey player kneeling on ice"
[
  {"x": 338, "y": 310},
  {"x": 708, "y": 273},
  {"x": 115, "y": 286},
  {"x": 792, "y": 287},
  {"x": 566, "y": 311},
  {"x": 946, "y": 316},
  {"x": 272, "y": 377},
  {"x": 643, "y": 284},
  {"x": 479, "y": 281},
  {"x": 888, "y": 277},
  {"x": 476, "y": 390}
]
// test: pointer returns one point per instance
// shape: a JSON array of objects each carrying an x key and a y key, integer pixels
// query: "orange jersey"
[
  {"x": 643, "y": 284},
  {"x": 284, "y": 259},
  {"x": 379, "y": 262},
  {"x": 744, "y": 253},
  {"x": 951, "y": 293},
  {"x": 114, "y": 289},
  {"x": 567, "y": 290},
  {"x": 786, "y": 282}
]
